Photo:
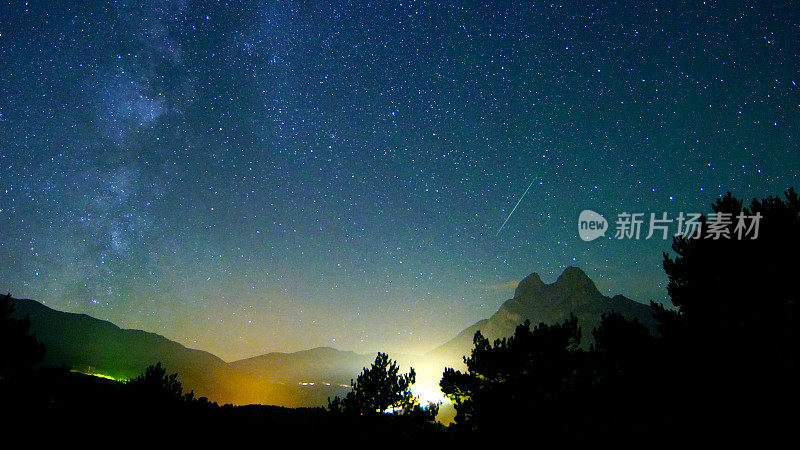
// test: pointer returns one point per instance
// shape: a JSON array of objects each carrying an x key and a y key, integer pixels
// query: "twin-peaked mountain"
[
  {"x": 572, "y": 293},
  {"x": 309, "y": 377}
]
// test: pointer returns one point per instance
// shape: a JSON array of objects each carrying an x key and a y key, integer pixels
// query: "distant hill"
[
  {"x": 322, "y": 364},
  {"x": 573, "y": 292},
  {"x": 89, "y": 344},
  {"x": 320, "y": 372},
  {"x": 96, "y": 346}
]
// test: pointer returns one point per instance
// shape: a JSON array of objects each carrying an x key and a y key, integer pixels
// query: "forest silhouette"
[{"x": 724, "y": 359}]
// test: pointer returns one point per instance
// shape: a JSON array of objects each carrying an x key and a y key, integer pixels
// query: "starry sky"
[{"x": 256, "y": 176}]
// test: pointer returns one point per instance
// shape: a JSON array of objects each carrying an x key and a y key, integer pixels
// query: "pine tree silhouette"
[
  {"x": 378, "y": 389},
  {"x": 19, "y": 348}
]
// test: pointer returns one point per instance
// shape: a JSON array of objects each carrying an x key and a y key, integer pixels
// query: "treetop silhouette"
[{"x": 19, "y": 348}]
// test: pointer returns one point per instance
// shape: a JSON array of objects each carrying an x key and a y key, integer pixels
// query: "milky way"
[{"x": 253, "y": 176}]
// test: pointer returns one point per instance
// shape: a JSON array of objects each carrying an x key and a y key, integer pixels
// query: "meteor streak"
[{"x": 515, "y": 208}]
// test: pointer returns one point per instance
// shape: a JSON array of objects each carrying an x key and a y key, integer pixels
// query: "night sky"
[{"x": 245, "y": 177}]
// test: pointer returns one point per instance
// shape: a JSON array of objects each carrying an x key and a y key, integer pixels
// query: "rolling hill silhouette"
[
  {"x": 323, "y": 364},
  {"x": 95, "y": 346}
]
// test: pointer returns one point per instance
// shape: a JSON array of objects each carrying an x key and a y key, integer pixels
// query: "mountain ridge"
[{"x": 572, "y": 292}]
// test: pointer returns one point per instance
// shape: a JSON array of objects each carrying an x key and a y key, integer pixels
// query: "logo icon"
[{"x": 591, "y": 225}]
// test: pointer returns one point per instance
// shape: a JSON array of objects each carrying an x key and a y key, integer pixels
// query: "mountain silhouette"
[
  {"x": 88, "y": 344},
  {"x": 99, "y": 347},
  {"x": 573, "y": 292},
  {"x": 93, "y": 346},
  {"x": 318, "y": 365}
]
